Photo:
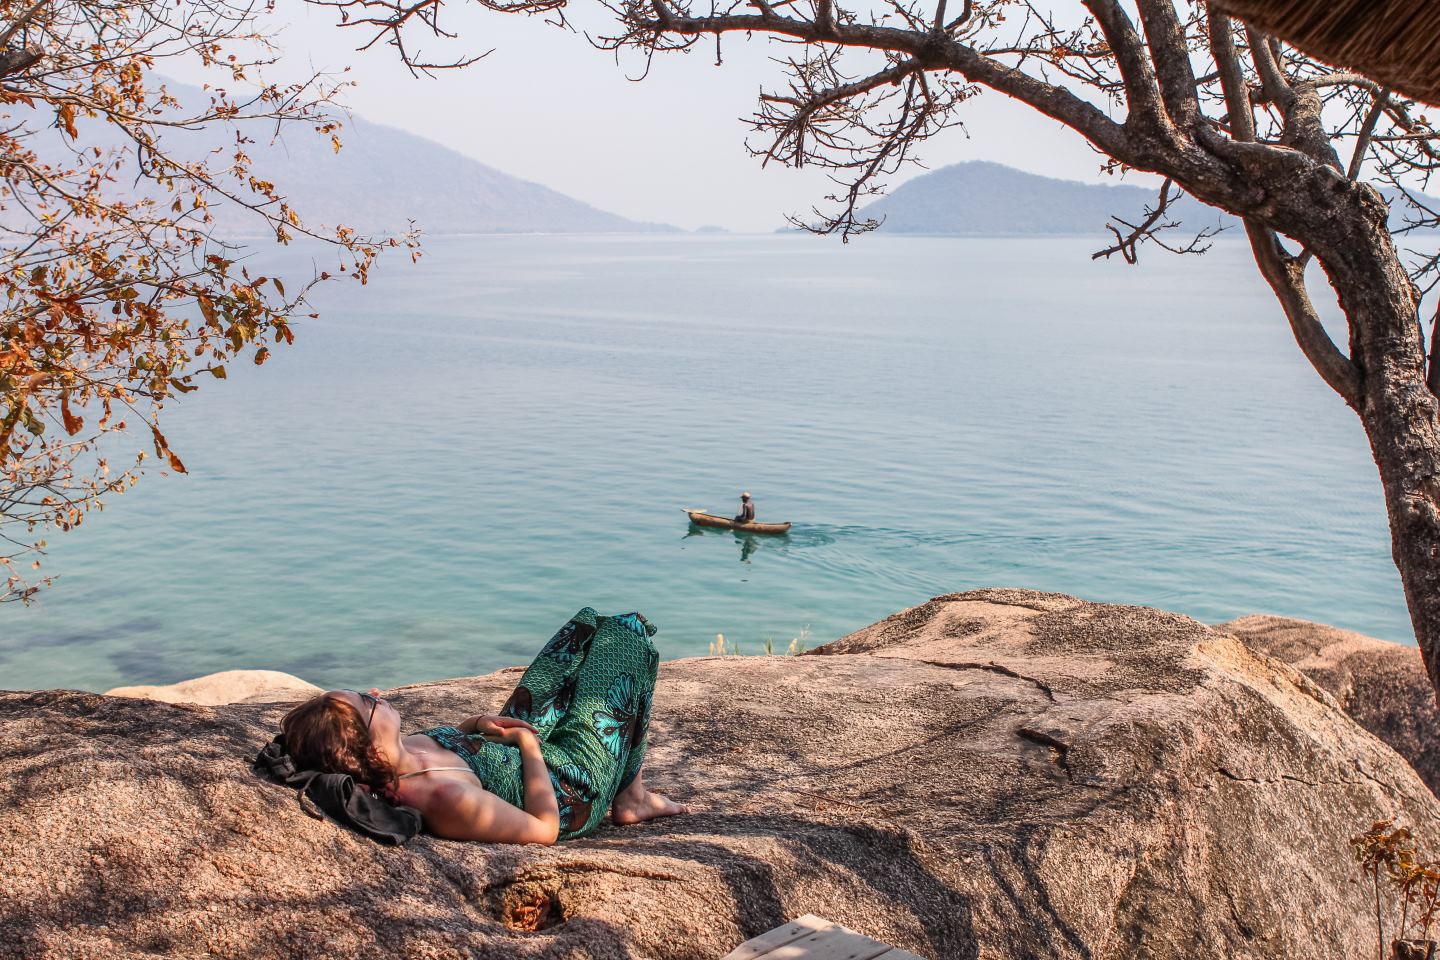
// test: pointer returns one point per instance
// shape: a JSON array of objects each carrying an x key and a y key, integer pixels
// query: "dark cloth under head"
[{"x": 340, "y": 796}]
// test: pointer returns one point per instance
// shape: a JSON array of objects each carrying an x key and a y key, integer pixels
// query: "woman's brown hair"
[{"x": 328, "y": 734}]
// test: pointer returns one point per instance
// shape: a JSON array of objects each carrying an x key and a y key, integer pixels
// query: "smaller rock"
[
  {"x": 1382, "y": 685},
  {"x": 227, "y": 686}
]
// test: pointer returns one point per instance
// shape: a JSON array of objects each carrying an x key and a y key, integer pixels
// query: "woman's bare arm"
[
  {"x": 540, "y": 801},
  {"x": 464, "y": 811}
]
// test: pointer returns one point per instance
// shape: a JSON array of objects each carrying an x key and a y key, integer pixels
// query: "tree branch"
[
  {"x": 1273, "y": 84},
  {"x": 1300, "y": 104},
  {"x": 13, "y": 61},
  {"x": 1286, "y": 276},
  {"x": 1367, "y": 130},
  {"x": 941, "y": 53},
  {"x": 21, "y": 22},
  {"x": 1142, "y": 91},
  {"x": 966, "y": 12},
  {"x": 1127, "y": 244},
  {"x": 388, "y": 19},
  {"x": 1171, "y": 54},
  {"x": 1232, "y": 77},
  {"x": 825, "y": 17}
]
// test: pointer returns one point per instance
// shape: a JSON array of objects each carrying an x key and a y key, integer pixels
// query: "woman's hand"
[
  {"x": 487, "y": 725},
  {"x": 514, "y": 736}
]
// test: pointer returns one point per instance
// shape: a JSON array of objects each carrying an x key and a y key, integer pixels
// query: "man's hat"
[{"x": 746, "y": 495}]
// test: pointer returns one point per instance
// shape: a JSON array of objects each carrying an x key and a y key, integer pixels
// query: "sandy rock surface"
[
  {"x": 1382, "y": 685},
  {"x": 995, "y": 774},
  {"x": 227, "y": 686}
]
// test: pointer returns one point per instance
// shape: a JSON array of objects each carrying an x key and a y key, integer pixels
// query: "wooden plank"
[
  {"x": 815, "y": 938},
  {"x": 781, "y": 935},
  {"x": 835, "y": 943}
]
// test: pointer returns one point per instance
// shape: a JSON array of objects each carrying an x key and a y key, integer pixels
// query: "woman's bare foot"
[
  {"x": 631, "y": 808},
  {"x": 635, "y": 804}
]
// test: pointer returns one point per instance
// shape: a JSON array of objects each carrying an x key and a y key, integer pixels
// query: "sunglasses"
[{"x": 374, "y": 704}]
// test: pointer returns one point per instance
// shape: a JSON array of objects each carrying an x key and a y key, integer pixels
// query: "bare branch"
[
  {"x": 1050, "y": 99},
  {"x": 966, "y": 13},
  {"x": 390, "y": 20},
  {"x": 863, "y": 128},
  {"x": 1274, "y": 88},
  {"x": 1169, "y": 50},
  {"x": 21, "y": 22},
  {"x": 1142, "y": 91},
  {"x": 1127, "y": 244},
  {"x": 14, "y": 61},
  {"x": 1286, "y": 276},
  {"x": 1232, "y": 78},
  {"x": 1367, "y": 130},
  {"x": 824, "y": 18}
]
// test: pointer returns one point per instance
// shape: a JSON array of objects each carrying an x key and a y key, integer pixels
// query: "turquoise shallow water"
[{"x": 458, "y": 456}]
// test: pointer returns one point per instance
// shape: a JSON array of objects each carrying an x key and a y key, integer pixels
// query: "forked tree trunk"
[
  {"x": 1400, "y": 413},
  {"x": 1402, "y": 419}
]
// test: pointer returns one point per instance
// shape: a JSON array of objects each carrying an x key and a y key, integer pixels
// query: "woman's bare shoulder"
[{"x": 431, "y": 793}]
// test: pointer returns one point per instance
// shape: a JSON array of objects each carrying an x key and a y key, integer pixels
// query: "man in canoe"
[{"x": 747, "y": 509}]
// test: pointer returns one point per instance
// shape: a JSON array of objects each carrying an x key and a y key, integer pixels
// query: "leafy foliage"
[
  {"x": 1389, "y": 852},
  {"x": 116, "y": 290}
]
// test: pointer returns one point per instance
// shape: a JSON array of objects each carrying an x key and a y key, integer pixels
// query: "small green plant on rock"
[
  {"x": 1390, "y": 852},
  {"x": 719, "y": 647}
]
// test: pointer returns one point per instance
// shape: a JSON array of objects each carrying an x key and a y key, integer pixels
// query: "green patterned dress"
[{"x": 588, "y": 693}]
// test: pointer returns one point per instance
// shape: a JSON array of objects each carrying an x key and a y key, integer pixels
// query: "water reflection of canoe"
[{"x": 725, "y": 523}]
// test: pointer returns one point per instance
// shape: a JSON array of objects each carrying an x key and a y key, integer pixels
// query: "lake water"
[{"x": 457, "y": 457}]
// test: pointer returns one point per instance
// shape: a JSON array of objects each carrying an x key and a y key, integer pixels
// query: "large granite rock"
[
  {"x": 1382, "y": 685},
  {"x": 227, "y": 686},
  {"x": 994, "y": 774}
]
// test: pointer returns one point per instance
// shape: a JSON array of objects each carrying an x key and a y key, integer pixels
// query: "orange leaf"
[
  {"x": 73, "y": 424},
  {"x": 67, "y": 119}
]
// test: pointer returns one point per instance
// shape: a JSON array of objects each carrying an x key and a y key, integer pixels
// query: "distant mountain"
[
  {"x": 384, "y": 176},
  {"x": 990, "y": 199},
  {"x": 380, "y": 180},
  {"x": 980, "y": 198}
]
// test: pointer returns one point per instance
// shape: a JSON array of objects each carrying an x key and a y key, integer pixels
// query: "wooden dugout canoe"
[{"x": 701, "y": 519}]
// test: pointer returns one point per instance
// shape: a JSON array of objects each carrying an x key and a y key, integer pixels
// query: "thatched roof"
[{"x": 1395, "y": 42}]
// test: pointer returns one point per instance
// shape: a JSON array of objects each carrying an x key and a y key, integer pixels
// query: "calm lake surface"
[{"x": 457, "y": 457}]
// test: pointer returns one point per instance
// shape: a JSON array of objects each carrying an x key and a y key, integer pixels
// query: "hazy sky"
[{"x": 548, "y": 107}]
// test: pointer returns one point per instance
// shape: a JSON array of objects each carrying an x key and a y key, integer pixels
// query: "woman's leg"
[
  {"x": 603, "y": 733},
  {"x": 636, "y": 758},
  {"x": 547, "y": 688},
  {"x": 633, "y": 803}
]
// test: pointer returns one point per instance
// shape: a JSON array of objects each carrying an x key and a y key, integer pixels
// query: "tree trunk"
[
  {"x": 1400, "y": 418},
  {"x": 1400, "y": 414}
]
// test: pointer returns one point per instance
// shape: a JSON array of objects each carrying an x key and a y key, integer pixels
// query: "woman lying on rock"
[{"x": 567, "y": 745}]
